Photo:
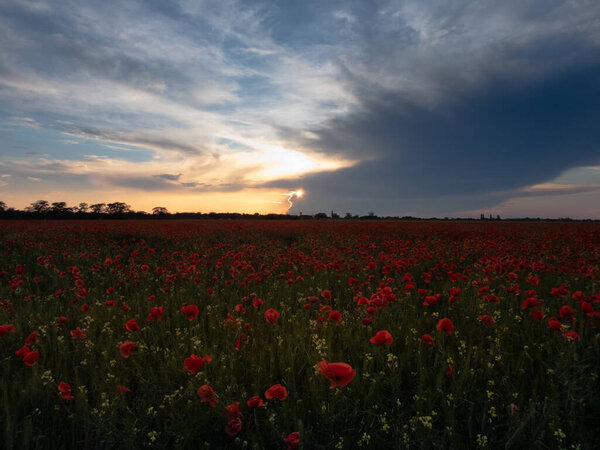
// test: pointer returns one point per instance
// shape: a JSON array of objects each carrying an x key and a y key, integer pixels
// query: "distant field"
[{"x": 221, "y": 334}]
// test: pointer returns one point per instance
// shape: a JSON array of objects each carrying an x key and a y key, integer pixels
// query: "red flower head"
[
  {"x": 65, "y": 390},
  {"x": 566, "y": 312},
  {"x": 233, "y": 427},
  {"x": 292, "y": 441},
  {"x": 195, "y": 363},
  {"x": 276, "y": 391},
  {"x": 31, "y": 358},
  {"x": 156, "y": 313},
  {"x": 382, "y": 337},
  {"x": 449, "y": 370},
  {"x": 531, "y": 302},
  {"x": 427, "y": 339},
  {"x": 571, "y": 335},
  {"x": 255, "y": 402},
  {"x": 78, "y": 334},
  {"x": 126, "y": 348},
  {"x": 488, "y": 320},
  {"x": 340, "y": 374},
  {"x": 271, "y": 315},
  {"x": 131, "y": 325},
  {"x": 122, "y": 389},
  {"x": 367, "y": 321},
  {"x": 22, "y": 351},
  {"x": 257, "y": 303},
  {"x": 335, "y": 316},
  {"x": 233, "y": 411},
  {"x": 190, "y": 311},
  {"x": 326, "y": 294},
  {"x": 445, "y": 325},
  {"x": 554, "y": 324},
  {"x": 31, "y": 339},
  {"x": 537, "y": 314},
  {"x": 207, "y": 394},
  {"x": 6, "y": 329}
]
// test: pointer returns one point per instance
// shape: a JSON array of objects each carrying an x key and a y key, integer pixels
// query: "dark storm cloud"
[{"x": 495, "y": 139}]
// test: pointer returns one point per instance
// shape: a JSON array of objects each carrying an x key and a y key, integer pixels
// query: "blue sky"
[{"x": 399, "y": 108}]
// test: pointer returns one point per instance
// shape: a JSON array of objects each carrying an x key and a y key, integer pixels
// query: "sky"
[{"x": 414, "y": 107}]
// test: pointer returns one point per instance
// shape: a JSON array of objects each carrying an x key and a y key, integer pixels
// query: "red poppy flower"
[
  {"x": 445, "y": 325},
  {"x": 126, "y": 348},
  {"x": 62, "y": 320},
  {"x": 367, "y": 321},
  {"x": 537, "y": 314},
  {"x": 571, "y": 335},
  {"x": 276, "y": 391},
  {"x": 449, "y": 370},
  {"x": 554, "y": 324},
  {"x": 22, "y": 351},
  {"x": 255, "y": 402},
  {"x": 195, "y": 363},
  {"x": 191, "y": 311},
  {"x": 131, "y": 325},
  {"x": 257, "y": 303},
  {"x": 65, "y": 390},
  {"x": 427, "y": 339},
  {"x": 531, "y": 302},
  {"x": 78, "y": 334},
  {"x": 233, "y": 427},
  {"x": 31, "y": 358},
  {"x": 6, "y": 329},
  {"x": 207, "y": 395},
  {"x": 335, "y": 316},
  {"x": 110, "y": 303},
  {"x": 233, "y": 411},
  {"x": 488, "y": 320},
  {"x": 340, "y": 374},
  {"x": 587, "y": 308},
  {"x": 156, "y": 313},
  {"x": 566, "y": 312},
  {"x": 432, "y": 299},
  {"x": 292, "y": 441},
  {"x": 271, "y": 315},
  {"x": 382, "y": 337},
  {"x": 31, "y": 339},
  {"x": 326, "y": 294},
  {"x": 122, "y": 389}
]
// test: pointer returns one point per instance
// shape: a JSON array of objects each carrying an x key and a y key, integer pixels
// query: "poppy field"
[{"x": 299, "y": 334}]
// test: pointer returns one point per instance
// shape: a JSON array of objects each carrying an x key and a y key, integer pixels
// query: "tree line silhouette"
[{"x": 43, "y": 209}]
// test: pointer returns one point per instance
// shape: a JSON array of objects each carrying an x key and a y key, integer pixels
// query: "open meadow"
[{"x": 299, "y": 334}]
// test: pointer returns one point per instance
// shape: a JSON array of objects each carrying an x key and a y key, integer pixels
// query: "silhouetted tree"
[
  {"x": 39, "y": 207},
  {"x": 320, "y": 215},
  {"x": 59, "y": 207},
  {"x": 118, "y": 208},
  {"x": 3, "y": 206},
  {"x": 83, "y": 207},
  {"x": 159, "y": 210},
  {"x": 98, "y": 208}
]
